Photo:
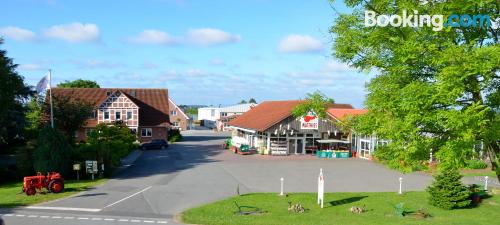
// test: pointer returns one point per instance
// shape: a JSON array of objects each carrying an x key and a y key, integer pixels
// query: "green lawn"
[
  {"x": 11, "y": 194},
  {"x": 336, "y": 211},
  {"x": 479, "y": 173}
]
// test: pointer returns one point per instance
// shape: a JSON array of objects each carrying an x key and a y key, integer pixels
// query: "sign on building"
[{"x": 309, "y": 122}]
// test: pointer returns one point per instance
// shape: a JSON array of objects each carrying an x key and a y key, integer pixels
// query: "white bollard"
[
  {"x": 400, "y": 185},
  {"x": 281, "y": 192},
  {"x": 486, "y": 183}
]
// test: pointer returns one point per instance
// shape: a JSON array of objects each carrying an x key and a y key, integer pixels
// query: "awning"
[{"x": 333, "y": 141}]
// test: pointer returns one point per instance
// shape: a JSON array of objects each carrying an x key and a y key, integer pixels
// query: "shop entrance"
[
  {"x": 295, "y": 146},
  {"x": 364, "y": 149}
]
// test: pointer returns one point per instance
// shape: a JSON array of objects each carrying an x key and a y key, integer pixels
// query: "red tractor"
[{"x": 52, "y": 182}]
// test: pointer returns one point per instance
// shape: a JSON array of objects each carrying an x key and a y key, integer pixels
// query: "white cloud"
[
  {"x": 334, "y": 66},
  {"x": 296, "y": 43},
  {"x": 217, "y": 62},
  {"x": 153, "y": 37},
  {"x": 95, "y": 64},
  {"x": 211, "y": 36},
  {"x": 74, "y": 32},
  {"x": 30, "y": 67},
  {"x": 18, "y": 34}
]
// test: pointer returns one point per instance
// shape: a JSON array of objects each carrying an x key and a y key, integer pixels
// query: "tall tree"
[
  {"x": 434, "y": 90},
  {"x": 13, "y": 93},
  {"x": 252, "y": 100},
  {"x": 53, "y": 153},
  {"x": 70, "y": 114},
  {"x": 315, "y": 102},
  {"x": 243, "y": 101},
  {"x": 79, "y": 83}
]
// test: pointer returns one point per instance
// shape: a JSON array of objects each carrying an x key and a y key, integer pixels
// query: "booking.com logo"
[{"x": 436, "y": 21}]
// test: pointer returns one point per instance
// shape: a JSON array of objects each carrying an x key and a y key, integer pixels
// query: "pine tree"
[
  {"x": 448, "y": 192},
  {"x": 53, "y": 153}
]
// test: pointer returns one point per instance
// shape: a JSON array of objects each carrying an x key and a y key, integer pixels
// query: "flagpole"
[{"x": 50, "y": 97}]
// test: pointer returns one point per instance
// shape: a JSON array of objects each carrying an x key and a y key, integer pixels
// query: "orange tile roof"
[
  {"x": 342, "y": 114},
  {"x": 152, "y": 103},
  {"x": 269, "y": 113}
]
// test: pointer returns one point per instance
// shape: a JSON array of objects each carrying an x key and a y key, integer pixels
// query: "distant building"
[
  {"x": 144, "y": 111},
  {"x": 210, "y": 115},
  {"x": 178, "y": 118}
]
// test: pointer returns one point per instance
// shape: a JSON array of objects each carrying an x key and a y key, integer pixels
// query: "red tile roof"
[
  {"x": 342, "y": 114},
  {"x": 152, "y": 103},
  {"x": 269, "y": 113}
]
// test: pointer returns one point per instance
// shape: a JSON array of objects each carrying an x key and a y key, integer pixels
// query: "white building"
[{"x": 210, "y": 115}]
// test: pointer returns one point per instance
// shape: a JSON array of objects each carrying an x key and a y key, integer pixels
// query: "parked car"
[{"x": 155, "y": 144}]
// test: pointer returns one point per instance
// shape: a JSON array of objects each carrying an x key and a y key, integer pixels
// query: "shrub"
[
  {"x": 53, "y": 152},
  {"x": 476, "y": 164},
  {"x": 448, "y": 192},
  {"x": 174, "y": 135}
]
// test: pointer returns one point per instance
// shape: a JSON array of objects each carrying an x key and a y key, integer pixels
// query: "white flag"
[{"x": 43, "y": 84}]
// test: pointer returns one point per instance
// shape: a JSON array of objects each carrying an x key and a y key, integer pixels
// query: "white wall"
[{"x": 206, "y": 114}]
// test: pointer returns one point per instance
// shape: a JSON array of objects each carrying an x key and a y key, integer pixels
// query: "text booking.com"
[{"x": 436, "y": 21}]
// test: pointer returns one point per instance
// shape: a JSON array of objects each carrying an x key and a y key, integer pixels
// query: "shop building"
[{"x": 270, "y": 128}]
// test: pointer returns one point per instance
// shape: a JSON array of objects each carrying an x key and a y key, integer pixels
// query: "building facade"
[
  {"x": 144, "y": 111},
  {"x": 211, "y": 115},
  {"x": 178, "y": 117}
]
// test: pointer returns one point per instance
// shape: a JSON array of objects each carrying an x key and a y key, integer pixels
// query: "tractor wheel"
[
  {"x": 56, "y": 186},
  {"x": 30, "y": 191}
]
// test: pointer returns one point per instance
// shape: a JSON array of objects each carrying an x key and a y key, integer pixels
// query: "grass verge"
[
  {"x": 11, "y": 194},
  {"x": 380, "y": 208}
]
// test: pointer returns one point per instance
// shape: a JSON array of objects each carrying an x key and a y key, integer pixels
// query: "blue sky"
[{"x": 204, "y": 52}]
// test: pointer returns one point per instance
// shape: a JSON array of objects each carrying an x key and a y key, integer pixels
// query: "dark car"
[{"x": 155, "y": 144}]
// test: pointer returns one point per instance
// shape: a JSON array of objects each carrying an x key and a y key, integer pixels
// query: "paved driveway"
[{"x": 163, "y": 183}]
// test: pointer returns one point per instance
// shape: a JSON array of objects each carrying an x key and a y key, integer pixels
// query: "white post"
[
  {"x": 486, "y": 183},
  {"x": 321, "y": 188},
  {"x": 430, "y": 157},
  {"x": 400, "y": 185},
  {"x": 50, "y": 99},
  {"x": 281, "y": 191}
]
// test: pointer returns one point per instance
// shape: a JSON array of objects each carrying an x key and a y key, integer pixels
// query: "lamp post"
[
  {"x": 400, "y": 185},
  {"x": 281, "y": 191}
]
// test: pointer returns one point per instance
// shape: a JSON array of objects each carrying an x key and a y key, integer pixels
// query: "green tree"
[
  {"x": 436, "y": 90},
  {"x": 53, "y": 153},
  {"x": 252, "y": 100},
  {"x": 70, "y": 114},
  {"x": 13, "y": 93},
  {"x": 79, "y": 83},
  {"x": 315, "y": 102},
  {"x": 243, "y": 101},
  {"x": 448, "y": 192},
  {"x": 33, "y": 117}
]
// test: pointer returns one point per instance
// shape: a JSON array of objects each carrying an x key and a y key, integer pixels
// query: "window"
[
  {"x": 133, "y": 130},
  {"x": 118, "y": 115},
  {"x": 106, "y": 115},
  {"x": 173, "y": 112},
  {"x": 93, "y": 115},
  {"x": 108, "y": 93},
  {"x": 212, "y": 112},
  {"x": 223, "y": 114},
  {"x": 176, "y": 124},
  {"x": 129, "y": 115},
  {"x": 146, "y": 132}
]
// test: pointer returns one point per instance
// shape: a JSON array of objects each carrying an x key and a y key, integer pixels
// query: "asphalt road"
[{"x": 162, "y": 183}]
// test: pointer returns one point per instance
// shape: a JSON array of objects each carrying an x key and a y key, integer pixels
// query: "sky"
[{"x": 203, "y": 52}]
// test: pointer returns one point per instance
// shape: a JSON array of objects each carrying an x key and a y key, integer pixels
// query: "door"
[
  {"x": 300, "y": 147},
  {"x": 291, "y": 146},
  {"x": 365, "y": 149}
]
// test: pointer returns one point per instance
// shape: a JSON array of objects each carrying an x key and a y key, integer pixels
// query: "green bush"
[
  {"x": 174, "y": 135},
  {"x": 476, "y": 164},
  {"x": 53, "y": 152},
  {"x": 448, "y": 192}
]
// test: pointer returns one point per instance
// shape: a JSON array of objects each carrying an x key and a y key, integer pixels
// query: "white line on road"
[
  {"x": 109, "y": 219},
  {"x": 135, "y": 221},
  {"x": 161, "y": 221},
  {"x": 123, "y": 220},
  {"x": 148, "y": 221},
  {"x": 96, "y": 218},
  {"x": 8, "y": 215},
  {"x": 69, "y": 217},
  {"x": 64, "y": 208},
  {"x": 45, "y": 217},
  {"x": 130, "y": 196},
  {"x": 33, "y": 216},
  {"x": 56, "y": 217},
  {"x": 82, "y": 218}
]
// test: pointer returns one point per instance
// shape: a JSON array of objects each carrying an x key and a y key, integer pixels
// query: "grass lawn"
[
  {"x": 11, "y": 194},
  {"x": 380, "y": 208},
  {"x": 478, "y": 173}
]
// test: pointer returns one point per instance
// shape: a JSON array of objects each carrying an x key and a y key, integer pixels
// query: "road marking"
[
  {"x": 123, "y": 220},
  {"x": 33, "y": 216},
  {"x": 56, "y": 217},
  {"x": 130, "y": 196},
  {"x": 20, "y": 215},
  {"x": 161, "y": 221},
  {"x": 148, "y": 221},
  {"x": 109, "y": 219},
  {"x": 69, "y": 217},
  {"x": 135, "y": 221},
  {"x": 96, "y": 218},
  {"x": 83, "y": 218},
  {"x": 8, "y": 215},
  {"x": 87, "y": 218},
  {"x": 64, "y": 208},
  {"x": 45, "y": 217}
]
